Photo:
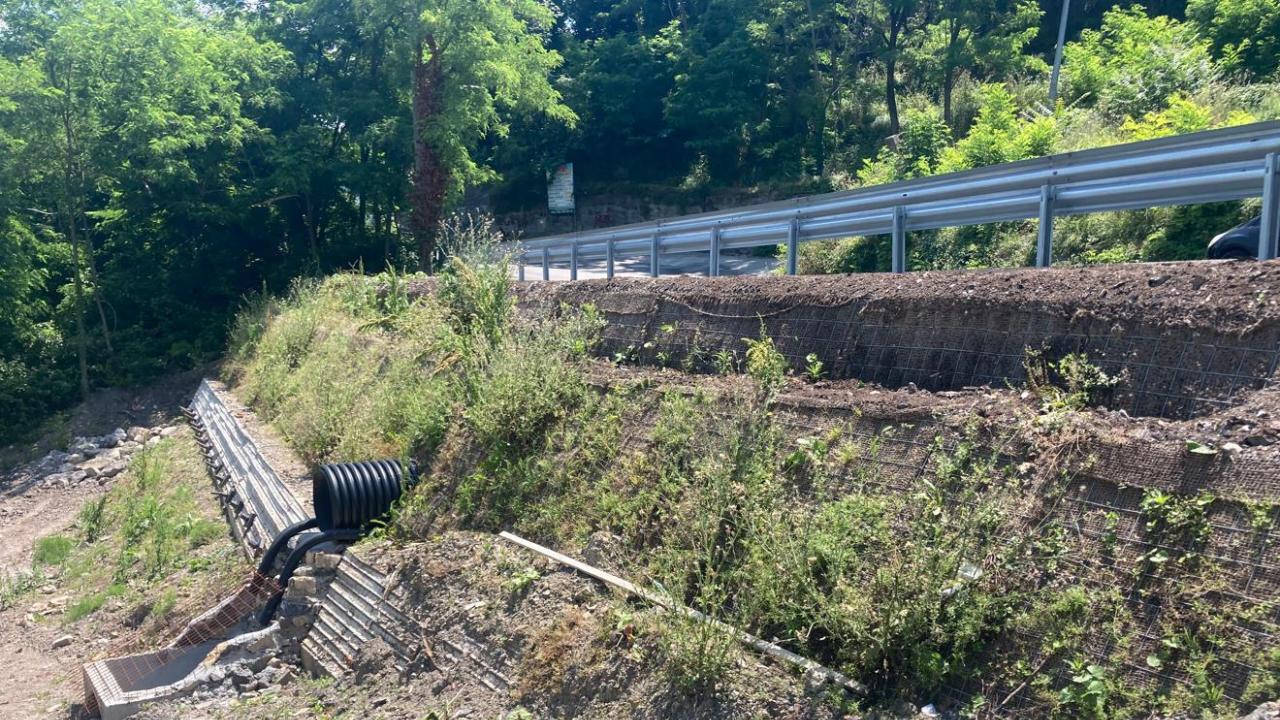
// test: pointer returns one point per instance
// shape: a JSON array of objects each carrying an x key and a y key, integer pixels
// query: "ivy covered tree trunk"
[{"x": 430, "y": 177}]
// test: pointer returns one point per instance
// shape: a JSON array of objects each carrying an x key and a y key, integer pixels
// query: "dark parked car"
[{"x": 1240, "y": 241}]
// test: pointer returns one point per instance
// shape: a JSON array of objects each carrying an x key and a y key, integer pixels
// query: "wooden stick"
[{"x": 746, "y": 638}]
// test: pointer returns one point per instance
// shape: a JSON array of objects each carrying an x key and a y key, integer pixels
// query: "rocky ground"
[
  {"x": 43, "y": 496},
  {"x": 56, "y": 615}
]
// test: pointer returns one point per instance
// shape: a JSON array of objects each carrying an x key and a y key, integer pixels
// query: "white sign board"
[{"x": 560, "y": 190}]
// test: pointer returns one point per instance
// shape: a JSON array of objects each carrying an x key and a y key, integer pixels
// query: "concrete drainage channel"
[{"x": 327, "y": 601}]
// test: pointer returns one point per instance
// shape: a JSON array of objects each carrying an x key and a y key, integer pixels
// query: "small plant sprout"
[
  {"x": 725, "y": 362},
  {"x": 520, "y": 580},
  {"x": 813, "y": 367}
]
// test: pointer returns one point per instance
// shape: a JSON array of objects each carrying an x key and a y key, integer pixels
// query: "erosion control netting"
[
  {"x": 1185, "y": 339},
  {"x": 1195, "y": 346}
]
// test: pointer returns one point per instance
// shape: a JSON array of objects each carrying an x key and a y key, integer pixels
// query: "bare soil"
[{"x": 1219, "y": 295}]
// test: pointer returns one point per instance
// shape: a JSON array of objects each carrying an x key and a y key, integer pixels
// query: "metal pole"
[
  {"x": 1044, "y": 239},
  {"x": 654, "y": 246},
  {"x": 899, "y": 239},
  {"x": 1057, "y": 55},
  {"x": 608, "y": 258},
  {"x": 714, "y": 269},
  {"x": 573, "y": 260},
  {"x": 793, "y": 237},
  {"x": 520, "y": 268},
  {"x": 1270, "y": 226},
  {"x": 546, "y": 263}
]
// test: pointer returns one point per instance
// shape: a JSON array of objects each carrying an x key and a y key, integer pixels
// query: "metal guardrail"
[{"x": 1216, "y": 165}]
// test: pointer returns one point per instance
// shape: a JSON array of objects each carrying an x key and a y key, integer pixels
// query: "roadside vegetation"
[
  {"x": 161, "y": 158},
  {"x": 139, "y": 553},
  {"x": 964, "y": 580}
]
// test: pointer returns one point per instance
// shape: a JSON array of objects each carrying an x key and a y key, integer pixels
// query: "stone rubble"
[{"x": 94, "y": 459}]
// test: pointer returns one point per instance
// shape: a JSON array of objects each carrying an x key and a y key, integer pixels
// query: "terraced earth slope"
[{"x": 1003, "y": 494}]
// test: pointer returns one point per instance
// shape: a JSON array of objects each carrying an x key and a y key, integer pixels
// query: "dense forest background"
[{"x": 162, "y": 159}]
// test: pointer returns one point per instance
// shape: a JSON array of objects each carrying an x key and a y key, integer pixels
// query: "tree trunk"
[
  {"x": 309, "y": 219},
  {"x": 97, "y": 285},
  {"x": 890, "y": 76},
  {"x": 69, "y": 204},
  {"x": 891, "y": 92},
  {"x": 82, "y": 338},
  {"x": 949, "y": 70},
  {"x": 427, "y": 190}
]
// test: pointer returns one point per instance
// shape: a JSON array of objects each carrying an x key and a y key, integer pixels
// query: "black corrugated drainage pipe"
[{"x": 347, "y": 499}]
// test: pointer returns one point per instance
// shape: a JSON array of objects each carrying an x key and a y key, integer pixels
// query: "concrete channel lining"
[{"x": 119, "y": 687}]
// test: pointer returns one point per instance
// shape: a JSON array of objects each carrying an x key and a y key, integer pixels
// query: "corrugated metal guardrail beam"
[{"x": 1215, "y": 165}]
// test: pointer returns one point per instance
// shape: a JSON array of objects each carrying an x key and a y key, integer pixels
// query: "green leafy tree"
[
  {"x": 1245, "y": 33},
  {"x": 121, "y": 106},
  {"x": 471, "y": 63},
  {"x": 1133, "y": 63},
  {"x": 987, "y": 39}
]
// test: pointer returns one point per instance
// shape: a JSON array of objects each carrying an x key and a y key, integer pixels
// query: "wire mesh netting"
[{"x": 1166, "y": 372}]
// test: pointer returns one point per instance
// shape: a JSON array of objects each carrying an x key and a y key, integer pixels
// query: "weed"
[
  {"x": 1067, "y": 385},
  {"x": 765, "y": 363},
  {"x": 52, "y": 550},
  {"x": 1089, "y": 691},
  {"x": 813, "y": 367},
  {"x": 16, "y": 585},
  {"x": 520, "y": 581},
  {"x": 698, "y": 654},
  {"x": 1261, "y": 516},
  {"x": 1176, "y": 521},
  {"x": 92, "y": 602},
  {"x": 91, "y": 519},
  {"x": 477, "y": 302}
]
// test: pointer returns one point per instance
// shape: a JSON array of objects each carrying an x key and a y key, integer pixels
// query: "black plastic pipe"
[
  {"x": 279, "y": 544},
  {"x": 347, "y": 535},
  {"x": 352, "y": 495}
]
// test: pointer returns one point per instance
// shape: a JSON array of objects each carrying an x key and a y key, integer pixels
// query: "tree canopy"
[{"x": 161, "y": 159}]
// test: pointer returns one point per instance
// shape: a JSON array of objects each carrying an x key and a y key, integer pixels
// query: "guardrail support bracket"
[
  {"x": 655, "y": 246},
  {"x": 1044, "y": 236},
  {"x": 608, "y": 258},
  {"x": 899, "y": 239},
  {"x": 573, "y": 261},
  {"x": 520, "y": 269},
  {"x": 1269, "y": 232},
  {"x": 546, "y": 264},
  {"x": 714, "y": 269}
]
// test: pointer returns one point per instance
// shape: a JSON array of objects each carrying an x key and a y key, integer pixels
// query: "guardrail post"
[
  {"x": 899, "y": 239},
  {"x": 573, "y": 260},
  {"x": 654, "y": 246},
  {"x": 608, "y": 258},
  {"x": 714, "y": 269},
  {"x": 1270, "y": 226},
  {"x": 546, "y": 263},
  {"x": 1044, "y": 237},
  {"x": 520, "y": 268},
  {"x": 793, "y": 239}
]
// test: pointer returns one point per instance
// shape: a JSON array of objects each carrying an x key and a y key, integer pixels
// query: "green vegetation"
[
  {"x": 966, "y": 574},
  {"x": 52, "y": 550},
  {"x": 161, "y": 159},
  {"x": 154, "y": 536}
]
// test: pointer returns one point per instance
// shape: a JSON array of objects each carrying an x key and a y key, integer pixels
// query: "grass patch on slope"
[{"x": 156, "y": 537}]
